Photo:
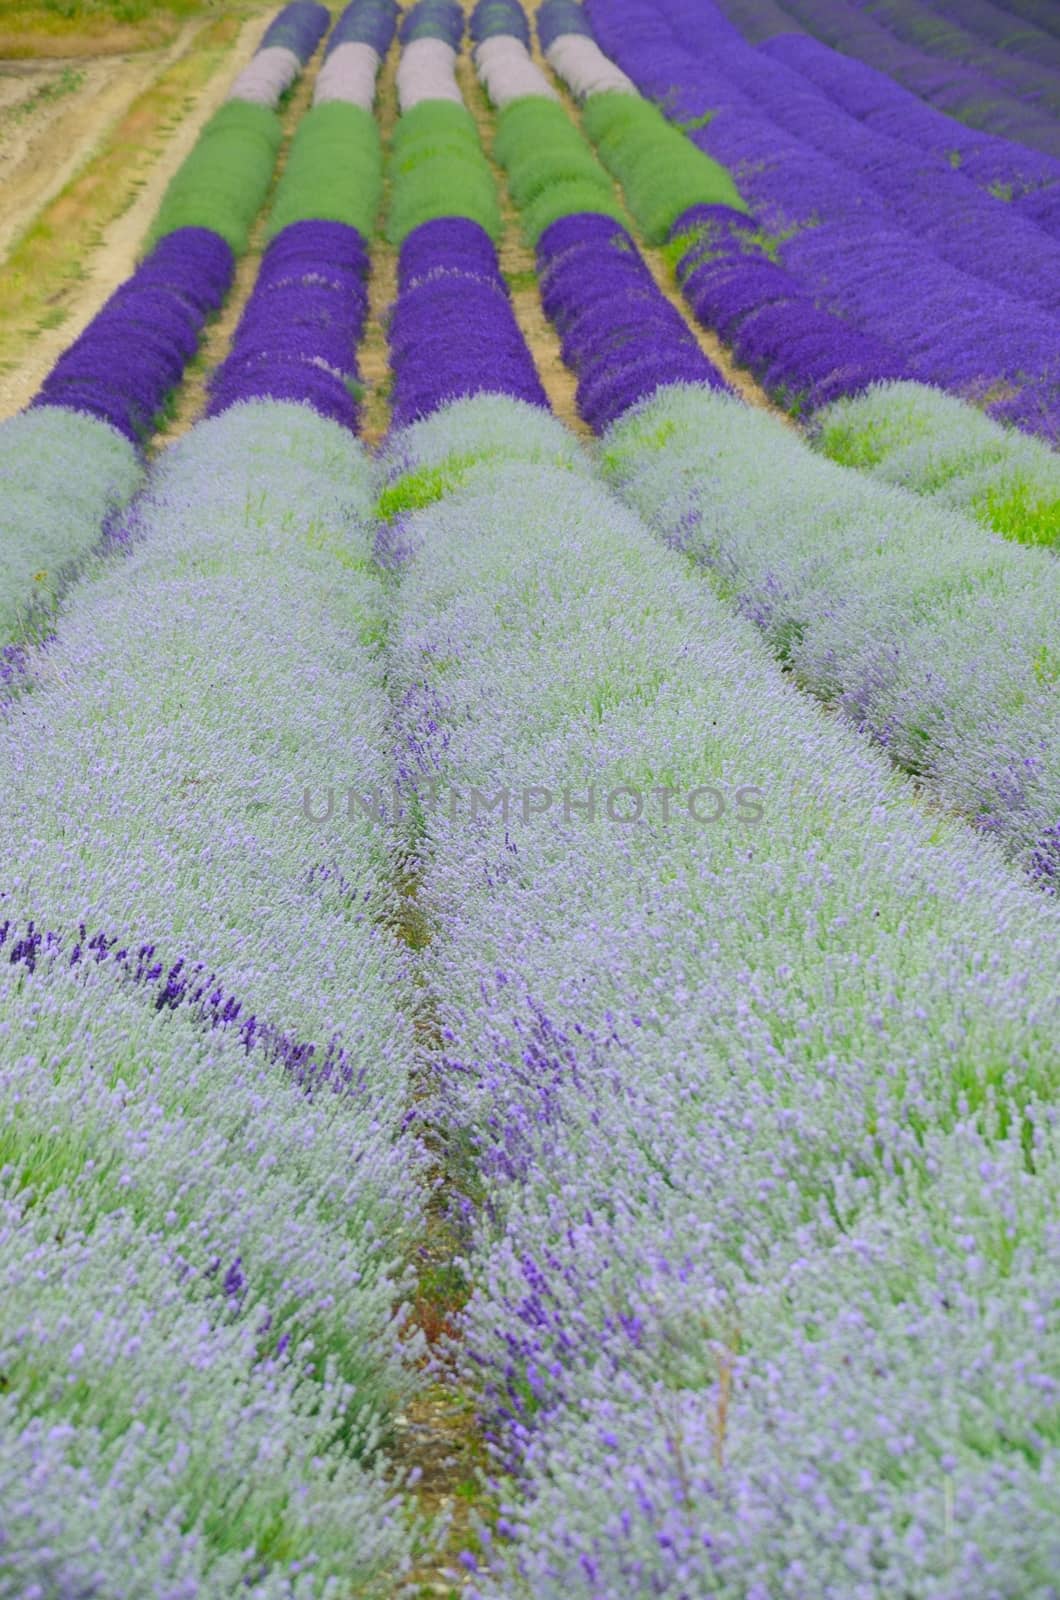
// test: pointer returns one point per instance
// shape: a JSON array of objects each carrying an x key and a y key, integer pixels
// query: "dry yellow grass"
[
  {"x": 41, "y": 277},
  {"x": 49, "y": 28}
]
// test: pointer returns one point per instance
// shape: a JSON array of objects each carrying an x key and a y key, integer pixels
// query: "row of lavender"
[
  {"x": 208, "y": 1200},
  {"x": 205, "y": 1342},
  {"x": 73, "y": 459},
  {"x": 266, "y": 1038},
  {"x": 760, "y": 1260},
  {"x": 760, "y": 1273},
  {"x": 892, "y": 239},
  {"x": 933, "y": 635},
  {"x": 806, "y": 356},
  {"x": 949, "y": 60}
]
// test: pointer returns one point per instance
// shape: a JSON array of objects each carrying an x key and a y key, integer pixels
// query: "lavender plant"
[
  {"x": 932, "y": 634},
  {"x": 762, "y": 1275},
  {"x": 62, "y": 476},
  {"x": 209, "y": 1198},
  {"x": 914, "y": 436},
  {"x": 852, "y": 237}
]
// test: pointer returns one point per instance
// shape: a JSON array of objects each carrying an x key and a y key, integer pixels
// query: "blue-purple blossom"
[{"x": 452, "y": 330}]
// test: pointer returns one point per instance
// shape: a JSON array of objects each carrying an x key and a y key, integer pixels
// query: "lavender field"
[{"x": 530, "y": 863}]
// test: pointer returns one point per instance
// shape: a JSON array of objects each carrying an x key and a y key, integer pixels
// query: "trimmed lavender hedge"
[
  {"x": 618, "y": 332},
  {"x": 505, "y": 18},
  {"x": 934, "y": 636},
  {"x": 803, "y": 357},
  {"x": 365, "y": 22},
  {"x": 972, "y": 230},
  {"x": 556, "y": 18},
  {"x": 299, "y": 27},
  {"x": 1026, "y": 177},
  {"x": 927, "y": 441},
  {"x": 433, "y": 19},
  {"x": 63, "y": 476},
  {"x": 202, "y": 1280},
  {"x": 964, "y": 93},
  {"x": 135, "y": 349},
  {"x": 452, "y": 331},
  {"x": 298, "y": 335},
  {"x": 762, "y": 1296}
]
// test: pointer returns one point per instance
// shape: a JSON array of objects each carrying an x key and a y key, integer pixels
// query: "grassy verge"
[
  {"x": 96, "y": 27},
  {"x": 39, "y": 276}
]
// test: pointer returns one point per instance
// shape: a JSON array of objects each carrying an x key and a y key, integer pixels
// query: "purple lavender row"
[
  {"x": 1029, "y": 179},
  {"x": 297, "y": 338},
  {"x": 434, "y": 19},
  {"x": 953, "y": 329},
  {"x": 299, "y": 27},
  {"x": 453, "y": 331},
  {"x": 619, "y": 334},
  {"x": 945, "y": 41},
  {"x": 365, "y": 22},
  {"x": 135, "y": 349},
  {"x": 972, "y": 230},
  {"x": 804, "y": 357},
  {"x": 964, "y": 93}
]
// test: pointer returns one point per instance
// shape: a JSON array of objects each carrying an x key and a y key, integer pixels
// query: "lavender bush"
[
  {"x": 1030, "y": 178},
  {"x": 804, "y": 357},
  {"x": 927, "y": 441},
  {"x": 762, "y": 1275},
  {"x": 62, "y": 476},
  {"x": 618, "y": 331},
  {"x": 204, "y": 1260},
  {"x": 840, "y": 234},
  {"x": 452, "y": 330},
  {"x": 135, "y": 349},
  {"x": 299, "y": 27},
  {"x": 370, "y": 22},
  {"x": 936, "y": 637},
  {"x": 965, "y": 94},
  {"x": 297, "y": 338}
]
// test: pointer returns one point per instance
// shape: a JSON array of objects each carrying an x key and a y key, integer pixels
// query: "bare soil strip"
[
  {"x": 373, "y": 357},
  {"x": 86, "y": 241}
]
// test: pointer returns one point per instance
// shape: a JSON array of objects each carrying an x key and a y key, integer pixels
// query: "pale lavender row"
[{"x": 834, "y": 230}]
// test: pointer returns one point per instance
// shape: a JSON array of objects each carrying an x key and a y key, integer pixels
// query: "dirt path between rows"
[
  {"x": 113, "y": 258},
  {"x": 49, "y": 132}
]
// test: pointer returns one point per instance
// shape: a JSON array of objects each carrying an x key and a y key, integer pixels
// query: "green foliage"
[
  {"x": 552, "y": 172},
  {"x": 422, "y": 487},
  {"x": 224, "y": 180},
  {"x": 539, "y": 146},
  {"x": 437, "y": 169},
  {"x": 661, "y": 172},
  {"x": 938, "y": 445},
  {"x": 1016, "y": 511},
  {"x": 334, "y": 170},
  {"x": 567, "y": 200}
]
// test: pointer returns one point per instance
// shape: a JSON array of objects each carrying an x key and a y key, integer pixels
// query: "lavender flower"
[{"x": 452, "y": 331}]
